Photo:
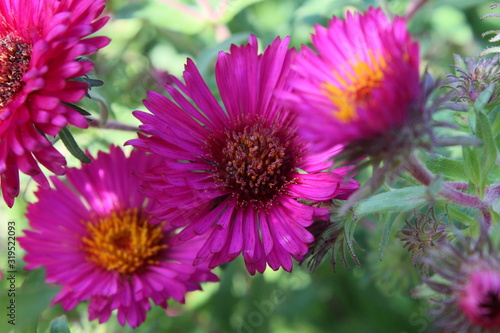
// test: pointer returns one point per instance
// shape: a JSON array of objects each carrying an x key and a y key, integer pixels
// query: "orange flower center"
[
  {"x": 355, "y": 90},
  {"x": 123, "y": 242},
  {"x": 14, "y": 62}
]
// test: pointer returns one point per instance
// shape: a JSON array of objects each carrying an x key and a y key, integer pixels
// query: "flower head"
[
  {"x": 474, "y": 75},
  {"x": 240, "y": 174},
  {"x": 480, "y": 299},
  {"x": 94, "y": 239},
  {"x": 467, "y": 284},
  {"x": 362, "y": 84},
  {"x": 40, "y": 42}
]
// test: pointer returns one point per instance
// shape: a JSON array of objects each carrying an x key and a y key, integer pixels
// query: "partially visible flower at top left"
[
  {"x": 93, "y": 237},
  {"x": 40, "y": 43}
]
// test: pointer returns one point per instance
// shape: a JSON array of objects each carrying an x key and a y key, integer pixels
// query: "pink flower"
[
  {"x": 40, "y": 42},
  {"x": 238, "y": 173},
  {"x": 93, "y": 238},
  {"x": 480, "y": 299},
  {"x": 362, "y": 83}
]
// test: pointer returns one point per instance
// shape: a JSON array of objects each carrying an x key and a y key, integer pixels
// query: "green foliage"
[
  {"x": 396, "y": 200},
  {"x": 59, "y": 325},
  {"x": 153, "y": 38}
]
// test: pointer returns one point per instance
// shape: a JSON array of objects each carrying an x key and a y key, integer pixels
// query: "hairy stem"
[
  {"x": 449, "y": 191},
  {"x": 112, "y": 124}
]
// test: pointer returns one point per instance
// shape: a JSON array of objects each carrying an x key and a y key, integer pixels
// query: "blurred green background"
[{"x": 151, "y": 39}]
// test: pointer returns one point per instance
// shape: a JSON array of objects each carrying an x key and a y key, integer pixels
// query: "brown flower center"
[
  {"x": 124, "y": 242},
  {"x": 254, "y": 163},
  {"x": 14, "y": 62}
]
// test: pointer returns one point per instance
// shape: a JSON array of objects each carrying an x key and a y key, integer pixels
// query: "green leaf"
[
  {"x": 484, "y": 98},
  {"x": 463, "y": 215},
  {"x": 28, "y": 310},
  {"x": 471, "y": 164},
  {"x": 394, "y": 201},
  {"x": 495, "y": 128},
  {"x": 72, "y": 146},
  {"x": 233, "y": 7},
  {"x": 452, "y": 169},
  {"x": 488, "y": 151},
  {"x": 77, "y": 108},
  {"x": 59, "y": 325},
  {"x": 389, "y": 222},
  {"x": 181, "y": 18}
]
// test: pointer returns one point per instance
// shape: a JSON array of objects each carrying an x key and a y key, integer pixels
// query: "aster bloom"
[
  {"x": 480, "y": 299},
  {"x": 40, "y": 43},
  {"x": 94, "y": 239},
  {"x": 239, "y": 174},
  {"x": 467, "y": 284},
  {"x": 361, "y": 86}
]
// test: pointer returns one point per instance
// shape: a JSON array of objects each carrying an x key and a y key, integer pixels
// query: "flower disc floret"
[
  {"x": 254, "y": 163},
  {"x": 14, "y": 61},
  {"x": 124, "y": 242}
]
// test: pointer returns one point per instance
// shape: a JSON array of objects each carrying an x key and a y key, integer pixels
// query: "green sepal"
[
  {"x": 72, "y": 146},
  {"x": 59, "y": 325}
]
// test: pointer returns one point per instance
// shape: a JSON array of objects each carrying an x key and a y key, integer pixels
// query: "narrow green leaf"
[
  {"x": 389, "y": 221},
  {"x": 77, "y": 108},
  {"x": 461, "y": 214},
  {"x": 489, "y": 149},
  {"x": 448, "y": 167},
  {"x": 72, "y": 146},
  {"x": 388, "y": 229},
  {"x": 484, "y": 98},
  {"x": 404, "y": 199},
  {"x": 471, "y": 164},
  {"x": 59, "y": 325}
]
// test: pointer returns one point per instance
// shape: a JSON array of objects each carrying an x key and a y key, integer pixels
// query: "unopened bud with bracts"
[
  {"x": 473, "y": 76},
  {"x": 420, "y": 237}
]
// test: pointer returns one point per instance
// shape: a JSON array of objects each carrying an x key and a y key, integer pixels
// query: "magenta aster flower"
[
  {"x": 363, "y": 81},
  {"x": 238, "y": 173},
  {"x": 466, "y": 283},
  {"x": 480, "y": 299},
  {"x": 93, "y": 238},
  {"x": 40, "y": 42}
]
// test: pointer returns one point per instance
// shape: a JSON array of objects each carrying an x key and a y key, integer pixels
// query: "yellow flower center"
[
  {"x": 123, "y": 242},
  {"x": 349, "y": 94}
]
